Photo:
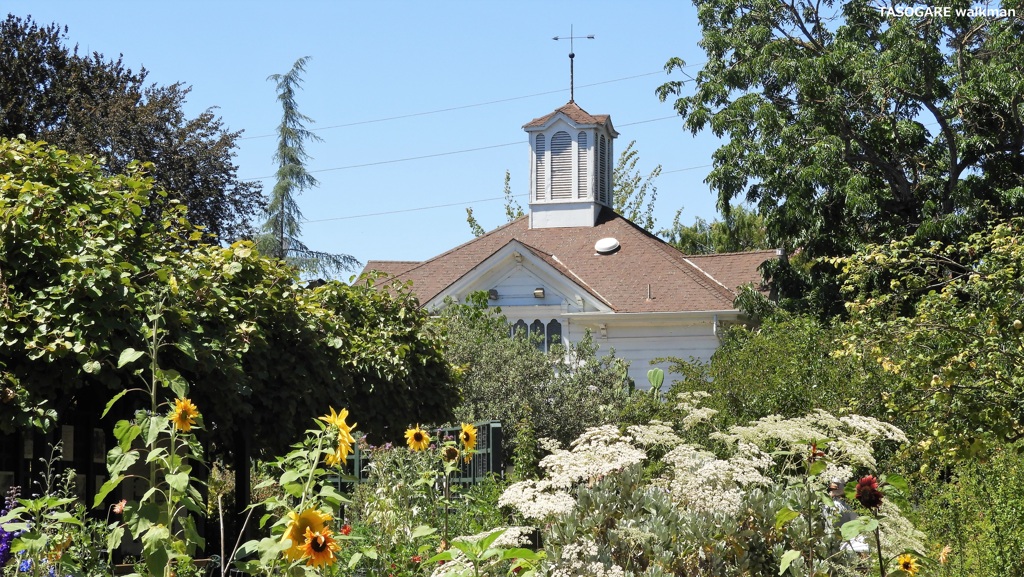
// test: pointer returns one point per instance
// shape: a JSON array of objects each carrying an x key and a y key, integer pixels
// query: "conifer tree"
[{"x": 283, "y": 226}]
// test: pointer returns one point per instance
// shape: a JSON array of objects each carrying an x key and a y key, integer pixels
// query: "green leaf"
[
  {"x": 785, "y": 515},
  {"x": 423, "y": 531},
  {"x": 63, "y": 517},
  {"x": 354, "y": 560},
  {"x": 787, "y": 559},
  {"x": 128, "y": 355},
  {"x": 111, "y": 485},
  {"x": 898, "y": 482},
  {"x": 178, "y": 481},
  {"x": 114, "y": 538},
  {"x": 816, "y": 468},
  {"x": 111, "y": 402},
  {"x": 851, "y": 529}
]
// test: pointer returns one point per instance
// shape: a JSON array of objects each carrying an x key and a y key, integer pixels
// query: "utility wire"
[
  {"x": 462, "y": 203},
  {"x": 463, "y": 107},
  {"x": 435, "y": 155}
]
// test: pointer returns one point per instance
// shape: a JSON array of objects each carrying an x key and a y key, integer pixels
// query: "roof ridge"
[
  {"x": 709, "y": 276},
  {"x": 423, "y": 263},
  {"x": 733, "y": 253}
]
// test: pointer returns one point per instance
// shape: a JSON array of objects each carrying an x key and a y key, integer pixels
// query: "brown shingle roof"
[
  {"x": 620, "y": 279},
  {"x": 574, "y": 112},
  {"x": 733, "y": 268}
]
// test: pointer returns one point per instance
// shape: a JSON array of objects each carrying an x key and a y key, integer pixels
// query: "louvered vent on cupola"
[
  {"x": 602, "y": 171},
  {"x": 539, "y": 173},
  {"x": 581, "y": 166},
  {"x": 561, "y": 166}
]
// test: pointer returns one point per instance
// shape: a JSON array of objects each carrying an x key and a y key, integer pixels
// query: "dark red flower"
[
  {"x": 346, "y": 529},
  {"x": 868, "y": 493},
  {"x": 416, "y": 559}
]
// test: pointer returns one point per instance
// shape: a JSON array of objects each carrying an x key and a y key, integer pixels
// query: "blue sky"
[{"x": 380, "y": 80}]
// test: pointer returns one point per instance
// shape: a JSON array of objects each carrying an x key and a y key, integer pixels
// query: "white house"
[{"x": 573, "y": 264}]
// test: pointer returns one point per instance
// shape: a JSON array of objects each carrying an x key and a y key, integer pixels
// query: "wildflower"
[
  {"x": 908, "y": 564},
  {"x": 184, "y": 415},
  {"x": 944, "y": 554},
  {"x": 417, "y": 439},
  {"x": 450, "y": 454},
  {"x": 296, "y": 530},
  {"x": 119, "y": 506},
  {"x": 868, "y": 493},
  {"x": 319, "y": 546},
  {"x": 346, "y": 529},
  {"x": 416, "y": 559}
]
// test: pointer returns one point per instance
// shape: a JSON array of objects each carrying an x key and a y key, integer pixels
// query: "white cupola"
[{"x": 571, "y": 163}]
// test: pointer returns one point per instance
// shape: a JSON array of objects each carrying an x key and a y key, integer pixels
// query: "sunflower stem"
[{"x": 878, "y": 548}]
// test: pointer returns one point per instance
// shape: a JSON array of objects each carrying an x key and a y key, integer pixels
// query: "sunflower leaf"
[{"x": 787, "y": 559}]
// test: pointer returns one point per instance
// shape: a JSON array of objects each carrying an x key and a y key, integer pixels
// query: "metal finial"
[{"x": 572, "y": 56}]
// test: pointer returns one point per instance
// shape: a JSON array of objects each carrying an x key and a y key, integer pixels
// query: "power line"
[
  {"x": 435, "y": 155},
  {"x": 462, "y": 203},
  {"x": 463, "y": 107}
]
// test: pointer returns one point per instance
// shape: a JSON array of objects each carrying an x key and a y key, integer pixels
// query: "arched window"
[
  {"x": 519, "y": 328},
  {"x": 581, "y": 165},
  {"x": 602, "y": 160},
  {"x": 537, "y": 333},
  {"x": 561, "y": 166},
  {"x": 554, "y": 333},
  {"x": 539, "y": 168}
]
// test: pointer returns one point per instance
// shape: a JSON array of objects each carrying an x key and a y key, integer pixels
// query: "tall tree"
[
  {"x": 630, "y": 189},
  {"x": 847, "y": 123},
  {"x": 91, "y": 105},
  {"x": 284, "y": 218},
  {"x": 742, "y": 230}
]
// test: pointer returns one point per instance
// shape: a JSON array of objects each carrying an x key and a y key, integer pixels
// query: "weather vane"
[{"x": 572, "y": 55}]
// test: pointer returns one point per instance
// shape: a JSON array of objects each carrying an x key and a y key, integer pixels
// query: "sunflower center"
[
  {"x": 418, "y": 437},
  {"x": 318, "y": 543}
]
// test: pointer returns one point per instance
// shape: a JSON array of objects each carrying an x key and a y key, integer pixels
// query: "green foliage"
[
  {"x": 630, "y": 189},
  {"x": 742, "y": 229},
  {"x": 786, "y": 367},
  {"x": 947, "y": 319},
  {"x": 974, "y": 508},
  {"x": 510, "y": 380},
  {"x": 846, "y": 126},
  {"x": 89, "y": 105},
  {"x": 283, "y": 226},
  {"x": 260, "y": 350}
]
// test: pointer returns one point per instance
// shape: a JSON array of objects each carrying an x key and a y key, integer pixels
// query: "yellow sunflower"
[
  {"x": 450, "y": 453},
  {"x": 908, "y": 564},
  {"x": 417, "y": 439},
  {"x": 319, "y": 546},
  {"x": 184, "y": 415},
  {"x": 468, "y": 436},
  {"x": 345, "y": 439},
  {"x": 295, "y": 532}
]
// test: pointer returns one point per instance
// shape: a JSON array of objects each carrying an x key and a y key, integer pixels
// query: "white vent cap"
[{"x": 606, "y": 245}]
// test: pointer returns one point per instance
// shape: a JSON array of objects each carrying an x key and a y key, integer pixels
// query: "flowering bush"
[{"x": 750, "y": 500}]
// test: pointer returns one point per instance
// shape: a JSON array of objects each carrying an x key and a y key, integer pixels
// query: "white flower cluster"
[
  {"x": 538, "y": 500},
  {"x": 692, "y": 413},
  {"x": 654, "y": 434},
  {"x": 597, "y": 452},
  {"x": 702, "y": 482},
  {"x": 581, "y": 558},
  {"x": 896, "y": 531},
  {"x": 849, "y": 439},
  {"x": 513, "y": 536}
]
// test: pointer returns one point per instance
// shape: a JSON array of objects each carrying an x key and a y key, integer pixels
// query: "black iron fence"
[{"x": 488, "y": 457}]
